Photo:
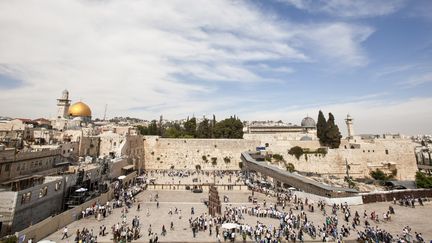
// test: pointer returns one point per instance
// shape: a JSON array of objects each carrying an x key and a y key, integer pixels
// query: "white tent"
[
  {"x": 230, "y": 226},
  {"x": 121, "y": 177},
  {"x": 81, "y": 190}
]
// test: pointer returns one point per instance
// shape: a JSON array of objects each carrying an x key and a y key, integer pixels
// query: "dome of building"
[
  {"x": 308, "y": 122},
  {"x": 79, "y": 109},
  {"x": 305, "y": 138}
]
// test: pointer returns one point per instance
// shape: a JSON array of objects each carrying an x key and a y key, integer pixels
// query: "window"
[
  {"x": 7, "y": 168},
  {"x": 26, "y": 197},
  {"x": 43, "y": 192},
  {"x": 58, "y": 185}
]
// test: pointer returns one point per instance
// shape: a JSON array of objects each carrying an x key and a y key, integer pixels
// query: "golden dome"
[{"x": 79, "y": 109}]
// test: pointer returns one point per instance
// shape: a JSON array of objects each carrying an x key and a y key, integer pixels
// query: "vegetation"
[
  {"x": 204, "y": 158},
  {"x": 296, "y": 151},
  {"x": 198, "y": 167},
  {"x": 228, "y": 128},
  {"x": 290, "y": 167},
  {"x": 422, "y": 180},
  {"x": 227, "y": 160},
  {"x": 278, "y": 157},
  {"x": 380, "y": 175},
  {"x": 299, "y": 151},
  {"x": 214, "y": 161},
  {"x": 327, "y": 131}
]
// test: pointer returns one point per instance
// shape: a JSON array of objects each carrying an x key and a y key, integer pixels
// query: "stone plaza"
[{"x": 417, "y": 218}]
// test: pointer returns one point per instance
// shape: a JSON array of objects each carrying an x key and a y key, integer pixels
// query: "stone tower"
[
  {"x": 349, "y": 123},
  {"x": 63, "y": 105}
]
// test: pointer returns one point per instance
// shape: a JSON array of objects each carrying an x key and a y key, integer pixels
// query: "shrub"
[
  {"x": 278, "y": 157},
  {"x": 227, "y": 160},
  {"x": 296, "y": 151},
  {"x": 290, "y": 167},
  {"x": 378, "y": 175},
  {"x": 204, "y": 158},
  {"x": 214, "y": 160},
  {"x": 198, "y": 167}
]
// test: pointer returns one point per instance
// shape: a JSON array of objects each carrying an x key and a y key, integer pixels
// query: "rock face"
[{"x": 224, "y": 154}]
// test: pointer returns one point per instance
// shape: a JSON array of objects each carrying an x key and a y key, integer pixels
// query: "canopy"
[
  {"x": 121, "y": 177},
  {"x": 81, "y": 190},
  {"x": 230, "y": 226}
]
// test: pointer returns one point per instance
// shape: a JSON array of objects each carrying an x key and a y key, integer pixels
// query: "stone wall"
[
  {"x": 362, "y": 157},
  {"x": 162, "y": 153}
]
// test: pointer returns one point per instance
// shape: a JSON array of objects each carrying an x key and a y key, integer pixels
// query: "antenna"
[{"x": 106, "y": 106}]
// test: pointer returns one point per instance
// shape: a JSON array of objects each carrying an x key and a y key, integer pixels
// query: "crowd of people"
[{"x": 291, "y": 217}]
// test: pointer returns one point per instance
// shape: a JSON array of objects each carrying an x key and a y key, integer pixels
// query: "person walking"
[{"x": 65, "y": 233}]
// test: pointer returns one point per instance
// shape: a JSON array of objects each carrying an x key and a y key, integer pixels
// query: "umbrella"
[
  {"x": 230, "y": 226},
  {"x": 121, "y": 177},
  {"x": 81, "y": 190}
]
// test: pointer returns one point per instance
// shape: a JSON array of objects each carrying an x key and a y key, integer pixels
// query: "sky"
[{"x": 259, "y": 60}]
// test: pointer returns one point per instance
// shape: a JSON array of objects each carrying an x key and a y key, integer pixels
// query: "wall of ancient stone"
[
  {"x": 162, "y": 153},
  {"x": 362, "y": 157}
]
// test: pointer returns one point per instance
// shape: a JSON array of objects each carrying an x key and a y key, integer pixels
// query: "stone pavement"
[{"x": 417, "y": 218}]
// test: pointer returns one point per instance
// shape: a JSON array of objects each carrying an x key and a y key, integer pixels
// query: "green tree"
[
  {"x": 190, "y": 127},
  {"x": 229, "y": 128},
  {"x": 333, "y": 135},
  {"x": 142, "y": 130},
  {"x": 204, "y": 129},
  {"x": 173, "y": 131},
  {"x": 423, "y": 181},
  {"x": 321, "y": 128},
  {"x": 153, "y": 128}
]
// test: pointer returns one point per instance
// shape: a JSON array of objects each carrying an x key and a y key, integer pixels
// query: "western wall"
[
  {"x": 163, "y": 153},
  {"x": 362, "y": 156}
]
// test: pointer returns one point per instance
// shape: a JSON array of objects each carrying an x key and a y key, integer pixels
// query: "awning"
[{"x": 128, "y": 167}]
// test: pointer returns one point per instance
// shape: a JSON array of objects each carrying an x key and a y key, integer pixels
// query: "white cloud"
[
  {"x": 418, "y": 80},
  {"x": 131, "y": 53},
  {"x": 349, "y": 8}
]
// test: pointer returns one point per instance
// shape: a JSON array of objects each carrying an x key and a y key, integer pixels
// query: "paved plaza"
[{"x": 417, "y": 218}]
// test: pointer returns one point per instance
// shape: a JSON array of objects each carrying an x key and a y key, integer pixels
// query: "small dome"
[
  {"x": 308, "y": 122},
  {"x": 79, "y": 109},
  {"x": 305, "y": 138}
]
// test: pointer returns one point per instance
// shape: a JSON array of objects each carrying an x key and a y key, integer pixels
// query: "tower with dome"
[{"x": 70, "y": 116}]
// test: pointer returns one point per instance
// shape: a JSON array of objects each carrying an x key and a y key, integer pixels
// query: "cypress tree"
[
  {"x": 333, "y": 135},
  {"x": 321, "y": 128}
]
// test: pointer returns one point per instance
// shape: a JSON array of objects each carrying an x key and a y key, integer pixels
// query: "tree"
[
  {"x": 204, "y": 129},
  {"x": 423, "y": 181},
  {"x": 142, "y": 130},
  {"x": 229, "y": 128},
  {"x": 173, "y": 131},
  {"x": 190, "y": 127},
  {"x": 333, "y": 135},
  {"x": 153, "y": 128},
  {"x": 321, "y": 128}
]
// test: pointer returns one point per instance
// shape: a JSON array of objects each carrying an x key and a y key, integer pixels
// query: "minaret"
[
  {"x": 349, "y": 123},
  {"x": 63, "y": 105}
]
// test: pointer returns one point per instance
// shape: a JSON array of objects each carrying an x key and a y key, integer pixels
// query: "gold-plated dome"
[{"x": 79, "y": 109}]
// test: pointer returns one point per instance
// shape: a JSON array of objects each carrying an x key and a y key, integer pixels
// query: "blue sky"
[{"x": 260, "y": 60}]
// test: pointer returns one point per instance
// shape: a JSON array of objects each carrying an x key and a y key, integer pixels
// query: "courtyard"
[{"x": 418, "y": 218}]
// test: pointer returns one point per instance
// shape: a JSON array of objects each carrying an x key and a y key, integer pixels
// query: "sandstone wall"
[
  {"x": 162, "y": 153},
  {"x": 385, "y": 154}
]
